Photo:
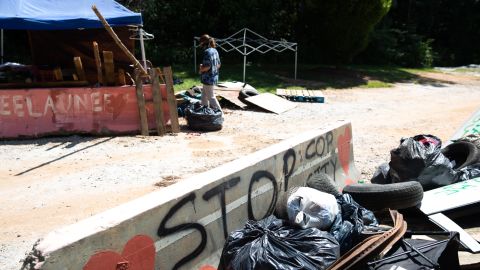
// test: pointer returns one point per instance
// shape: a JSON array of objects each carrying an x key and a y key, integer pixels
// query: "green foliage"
[
  {"x": 391, "y": 46},
  {"x": 437, "y": 32},
  {"x": 338, "y": 30}
]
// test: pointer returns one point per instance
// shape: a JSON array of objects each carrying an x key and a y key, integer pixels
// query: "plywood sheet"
[
  {"x": 231, "y": 96},
  {"x": 271, "y": 102}
]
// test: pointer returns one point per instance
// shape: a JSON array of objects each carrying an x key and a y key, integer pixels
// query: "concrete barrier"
[{"x": 184, "y": 226}]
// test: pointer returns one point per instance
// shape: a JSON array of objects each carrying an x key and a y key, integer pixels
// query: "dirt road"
[{"x": 48, "y": 183}]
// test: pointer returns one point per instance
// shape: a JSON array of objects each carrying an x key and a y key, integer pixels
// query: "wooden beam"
[
  {"x": 141, "y": 103},
  {"x": 79, "y": 68},
  {"x": 98, "y": 62},
  {"x": 157, "y": 102},
  {"x": 109, "y": 67},
  {"x": 117, "y": 40},
  {"x": 172, "y": 102}
]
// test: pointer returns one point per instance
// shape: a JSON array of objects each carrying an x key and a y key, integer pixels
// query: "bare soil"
[{"x": 51, "y": 182}]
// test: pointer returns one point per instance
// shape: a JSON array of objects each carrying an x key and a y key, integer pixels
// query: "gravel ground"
[{"x": 51, "y": 182}]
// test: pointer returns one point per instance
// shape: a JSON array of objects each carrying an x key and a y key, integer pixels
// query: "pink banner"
[{"x": 104, "y": 110}]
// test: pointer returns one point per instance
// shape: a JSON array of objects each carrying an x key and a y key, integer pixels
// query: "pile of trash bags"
[
  {"x": 421, "y": 158},
  {"x": 203, "y": 118},
  {"x": 318, "y": 229}
]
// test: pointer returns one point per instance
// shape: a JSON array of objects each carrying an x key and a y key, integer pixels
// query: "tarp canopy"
[{"x": 63, "y": 14}]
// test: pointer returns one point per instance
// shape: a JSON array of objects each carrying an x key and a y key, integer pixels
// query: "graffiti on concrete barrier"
[{"x": 319, "y": 155}]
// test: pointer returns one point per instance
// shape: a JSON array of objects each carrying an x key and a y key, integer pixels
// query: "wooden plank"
[
  {"x": 109, "y": 67},
  {"x": 98, "y": 62},
  {"x": 57, "y": 74},
  {"x": 79, "y": 68},
  {"x": 141, "y": 103},
  {"x": 172, "y": 103},
  {"x": 157, "y": 102},
  {"x": 121, "y": 77},
  {"x": 271, "y": 102}
]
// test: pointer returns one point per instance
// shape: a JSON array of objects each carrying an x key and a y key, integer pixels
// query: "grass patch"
[{"x": 268, "y": 78}]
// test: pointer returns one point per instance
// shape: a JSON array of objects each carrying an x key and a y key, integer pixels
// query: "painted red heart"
[
  {"x": 137, "y": 254},
  {"x": 343, "y": 143}
]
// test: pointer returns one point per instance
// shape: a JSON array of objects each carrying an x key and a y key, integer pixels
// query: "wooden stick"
[
  {"x": 98, "y": 62},
  {"x": 141, "y": 103},
  {"x": 118, "y": 41}
]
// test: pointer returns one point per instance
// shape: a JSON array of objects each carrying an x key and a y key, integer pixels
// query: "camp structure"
[
  {"x": 246, "y": 42},
  {"x": 79, "y": 80}
]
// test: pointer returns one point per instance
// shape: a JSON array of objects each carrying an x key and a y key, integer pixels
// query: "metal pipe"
[
  {"x": 1, "y": 46},
  {"x": 244, "y": 53},
  {"x": 142, "y": 49},
  {"x": 195, "y": 55},
  {"x": 296, "y": 52}
]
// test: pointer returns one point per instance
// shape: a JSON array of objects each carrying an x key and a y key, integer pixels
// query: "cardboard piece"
[
  {"x": 451, "y": 196},
  {"x": 272, "y": 103}
]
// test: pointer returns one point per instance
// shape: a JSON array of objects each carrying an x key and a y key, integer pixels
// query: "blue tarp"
[{"x": 63, "y": 14}]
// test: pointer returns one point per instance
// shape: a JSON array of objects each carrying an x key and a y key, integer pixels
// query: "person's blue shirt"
[{"x": 211, "y": 59}]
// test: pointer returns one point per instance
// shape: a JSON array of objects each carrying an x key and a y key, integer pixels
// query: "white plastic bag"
[{"x": 308, "y": 207}]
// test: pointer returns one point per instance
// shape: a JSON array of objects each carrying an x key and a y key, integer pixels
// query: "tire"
[
  {"x": 393, "y": 196},
  {"x": 463, "y": 153},
  {"x": 246, "y": 93},
  {"x": 324, "y": 183},
  {"x": 281, "y": 206}
]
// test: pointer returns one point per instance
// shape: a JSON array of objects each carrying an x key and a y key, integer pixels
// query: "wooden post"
[
  {"x": 117, "y": 40},
  {"x": 109, "y": 67},
  {"x": 79, "y": 68},
  {"x": 121, "y": 77},
  {"x": 98, "y": 62},
  {"x": 172, "y": 102},
  {"x": 141, "y": 103},
  {"x": 157, "y": 102}
]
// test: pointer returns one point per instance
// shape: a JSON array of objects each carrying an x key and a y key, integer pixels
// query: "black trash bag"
[
  {"x": 203, "y": 118},
  {"x": 469, "y": 172},
  {"x": 441, "y": 254},
  {"x": 419, "y": 158},
  {"x": 349, "y": 223},
  {"x": 273, "y": 244},
  {"x": 382, "y": 175}
]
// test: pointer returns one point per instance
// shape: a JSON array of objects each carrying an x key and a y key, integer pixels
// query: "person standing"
[{"x": 209, "y": 71}]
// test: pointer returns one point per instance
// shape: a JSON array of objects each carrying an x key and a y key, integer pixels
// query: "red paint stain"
[
  {"x": 344, "y": 149},
  {"x": 207, "y": 267},
  {"x": 138, "y": 254}
]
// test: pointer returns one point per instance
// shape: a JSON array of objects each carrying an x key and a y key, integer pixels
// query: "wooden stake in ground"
[
  {"x": 157, "y": 102},
  {"x": 141, "y": 103},
  {"x": 98, "y": 62},
  {"x": 117, "y": 40},
  {"x": 172, "y": 103}
]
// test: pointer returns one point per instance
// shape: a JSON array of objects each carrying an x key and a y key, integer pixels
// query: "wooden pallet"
[{"x": 302, "y": 95}]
